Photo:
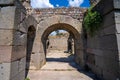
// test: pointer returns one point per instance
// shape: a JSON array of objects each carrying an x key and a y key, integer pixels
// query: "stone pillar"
[
  {"x": 12, "y": 41},
  {"x": 38, "y": 58}
]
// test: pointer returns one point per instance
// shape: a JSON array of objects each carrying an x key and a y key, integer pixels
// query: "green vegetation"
[
  {"x": 27, "y": 79},
  {"x": 92, "y": 21}
]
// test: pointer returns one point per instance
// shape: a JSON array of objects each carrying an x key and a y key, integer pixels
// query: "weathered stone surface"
[
  {"x": 109, "y": 18},
  {"x": 108, "y": 30},
  {"x": 117, "y": 4},
  {"x": 5, "y": 53},
  {"x": 20, "y": 15},
  {"x": 20, "y": 76},
  {"x": 110, "y": 74},
  {"x": 106, "y": 42},
  {"x": 6, "y": 37},
  {"x": 117, "y": 17},
  {"x": 74, "y": 12},
  {"x": 5, "y": 71},
  {"x": 18, "y": 52},
  {"x": 6, "y": 2},
  {"x": 7, "y": 20},
  {"x": 101, "y": 6},
  {"x": 1, "y": 71},
  {"x": 18, "y": 66},
  {"x": 20, "y": 38},
  {"x": 118, "y": 28},
  {"x": 13, "y": 71}
]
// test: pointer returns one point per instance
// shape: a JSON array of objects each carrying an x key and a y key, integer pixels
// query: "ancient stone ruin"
[{"x": 24, "y": 33}]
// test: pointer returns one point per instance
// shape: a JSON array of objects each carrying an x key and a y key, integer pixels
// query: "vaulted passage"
[
  {"x": 73, "y": 34},
  {"x": 59, "y": 61}
]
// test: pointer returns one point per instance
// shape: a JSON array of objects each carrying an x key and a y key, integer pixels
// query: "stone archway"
[{"x": 45, "y": 27}]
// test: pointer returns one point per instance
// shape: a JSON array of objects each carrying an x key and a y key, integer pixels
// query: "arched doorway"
[
  {"x": 73, "y": 33},
  {"x": 60, "y": 40},
  {"x": 57, "y": 22}
]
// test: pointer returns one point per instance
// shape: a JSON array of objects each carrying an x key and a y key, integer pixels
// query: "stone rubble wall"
[
  {"x": 74, "y": 12},
  {"x": 58, "y": 43}
]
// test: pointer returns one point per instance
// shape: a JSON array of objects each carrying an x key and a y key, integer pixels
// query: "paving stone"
[{"x": 58, "y": 67}]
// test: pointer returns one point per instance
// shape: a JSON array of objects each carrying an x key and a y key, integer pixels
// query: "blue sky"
[{"x": 59, "y": 3}]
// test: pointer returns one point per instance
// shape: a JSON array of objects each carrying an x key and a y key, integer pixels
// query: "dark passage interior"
[{"x": 30, "y": 40}]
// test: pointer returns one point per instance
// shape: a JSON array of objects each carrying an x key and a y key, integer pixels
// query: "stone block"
[
  {"x": 5, "y": 71},
  {"x": 30, "y": 21},
  {"x": 1, "y": 71},
  {"x": 20, "y": 76},
  {"x": 113, "y": 54},
  {"x": 109, "y": 75},
  {"x": 108, "y": 42},
  {"x": 101, "y": 6},
  {"x": 5, "y": 53},
  {"x": 118, "y": 41},
  {"x": 19, "y": 38},
  {"x": 14, "y": 68},
  {"x": 37, "y": 60},
  {"x": 6, "y": 2},
  {"x": 99, "y": 61},
  {"x": 6, "y": 37},
  {"x": 17, "y": 67},
  {"x": 95, "y": 40},
  {"x": 118, "y": 28},
  {"x": 18, "y": 52},
  {"x": 117, "y": 17},
  {"x": 110, "y": 65},
  {"x": 7, "y": 20},
  {"x": 108, "y": 30},
  {"x": 23, "y": 27},
  {"x": 22, "y": 64},
  {"x": 19, "y": 17},
  {"x": 109, "y": 18},
  {"x": 116, "y": 4}
]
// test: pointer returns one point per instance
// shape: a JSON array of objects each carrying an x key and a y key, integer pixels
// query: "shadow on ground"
[{"x": 70, "y": 60}]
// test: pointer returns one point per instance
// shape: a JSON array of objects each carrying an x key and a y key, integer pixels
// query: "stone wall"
[
  {"x": 94, "y": 2},
  {"x": 13, "y": 36},
  {"x": 58, "y": 43},
  {"x": 103, "y": 49},
  {"x": 12, "y": 50},
  {"x": 74, "y": 12}
]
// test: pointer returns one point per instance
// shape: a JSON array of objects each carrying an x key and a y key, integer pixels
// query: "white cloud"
[
  {"x": 41, "y": 4},
  {"x": 57, "y": 5},
  {"x": 75, "y": 3}
]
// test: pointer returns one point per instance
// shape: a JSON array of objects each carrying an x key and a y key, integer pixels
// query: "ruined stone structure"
[
  {"x": 24, "y": 34},
  {"x": 58, "y": 42}
]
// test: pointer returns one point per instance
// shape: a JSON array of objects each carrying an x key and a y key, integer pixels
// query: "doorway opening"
[
  {"x": 60, "y": 40},
  {"x": 60, "y": 51},
  {"x": 30, "y": 40}
]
